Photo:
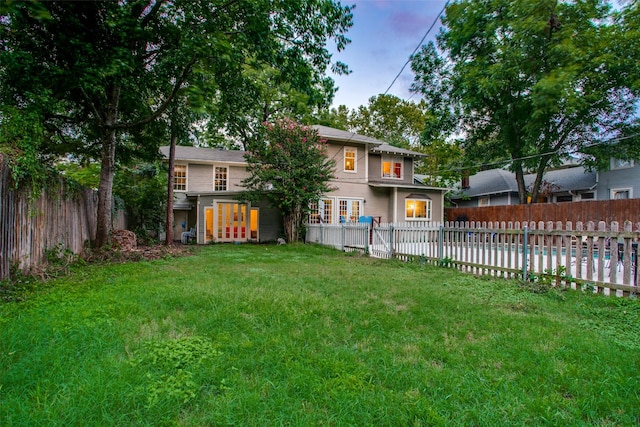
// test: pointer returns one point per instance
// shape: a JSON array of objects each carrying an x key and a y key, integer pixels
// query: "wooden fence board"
[{"x": 28, "y": 228}]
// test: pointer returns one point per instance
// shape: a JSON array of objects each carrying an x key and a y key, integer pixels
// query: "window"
[
  {"x": 621, "y": 163},
  {"x": 321, "y": 212},
  {"x": 349, "y": 210},
  {"x": 564, "y": 198},
  {"x": 587, "y": 196},
  {"x": 417, "y": 209},
  {"x": 483, "y": 201},
  {"x": 620, "y": 193},
  {"x": 350, "y": 157},
  {"x": 220, "y": 179},
  {"x": 392, "y": 167},
  {"x": 180, "y": 178}
]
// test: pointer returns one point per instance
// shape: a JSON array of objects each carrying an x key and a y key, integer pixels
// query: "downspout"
[{"x": 366, "y": 163}]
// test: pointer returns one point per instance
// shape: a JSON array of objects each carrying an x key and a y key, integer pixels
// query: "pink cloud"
[{"x": 406, "y": 23}]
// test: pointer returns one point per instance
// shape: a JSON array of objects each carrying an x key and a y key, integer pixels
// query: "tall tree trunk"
[
  {"x": 522, "y": 187},
  {"x": 105, "y": 189},
  {"x": 169, "y": 223},
  {"x": 108, "y": 169}
]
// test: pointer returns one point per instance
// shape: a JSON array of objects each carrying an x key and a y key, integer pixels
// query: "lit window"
[
  {"x": 321, "y": 212},
  {"x": 392, "y": 167},
  {"x": 349, "y": 210},
  {"x": 220, "y": 179},
  {"x": 484, "y": 201},
  {"x": 350, "y": 159},
  {"x": 418, "y": 209},
  {"x": 180, "y": 178}
]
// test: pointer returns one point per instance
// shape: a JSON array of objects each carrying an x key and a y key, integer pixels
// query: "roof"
[
  {"x": 500, "y": 181},
  {"x": 344, "y": 136},
  {"x": 390, "y": 149},
  {"x": 200, "y": 154}
]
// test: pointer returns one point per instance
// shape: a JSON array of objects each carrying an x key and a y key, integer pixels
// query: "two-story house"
[{"x": 371, "y": 179}]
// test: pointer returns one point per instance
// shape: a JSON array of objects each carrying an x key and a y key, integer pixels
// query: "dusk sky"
[{"x": 383, "y": 36}]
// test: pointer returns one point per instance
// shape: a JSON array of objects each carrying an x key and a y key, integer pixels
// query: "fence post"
[
  {"x": 525, "y": 252},
  {"x": 321, "y": 235},
  {"x": 342, "y": 237},
  {"x": 366, "y": 239},
  {"x": 391, "y": 241},
  {"x": 440, "y": 243}
]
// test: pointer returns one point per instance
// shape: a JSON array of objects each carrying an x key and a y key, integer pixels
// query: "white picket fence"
[{"x": 599, "y": 256}]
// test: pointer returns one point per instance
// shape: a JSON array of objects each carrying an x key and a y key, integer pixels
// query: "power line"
[
  {"x": 612, "y": 141},
  {"x": 418, "y": 47}
]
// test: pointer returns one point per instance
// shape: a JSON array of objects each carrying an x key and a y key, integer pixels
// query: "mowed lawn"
[{"x": 302, "y": 335}]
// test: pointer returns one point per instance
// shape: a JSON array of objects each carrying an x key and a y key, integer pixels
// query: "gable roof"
[
  {"x": 500, "y": 181},
  {"x": 202, "y": 154},
  {"x": 390, "y": 149},
  {"x": 344, "y": 136}
]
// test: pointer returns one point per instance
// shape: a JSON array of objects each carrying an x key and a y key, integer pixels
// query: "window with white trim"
[
  {"x": 621, "y": 163},
  {"x": 417, "y": 209},
  {"x": 484, "y": 201},
  {"x": 321, "y": 212},
  {"x": 350, "y": 159},
  {"x": 180, "y": 178},
  {"x": 620, "y": 193},
  {"x": 220, "y": 178},
  {"x": 349, "y": 210},
  {"x": 392, "y": 167}
]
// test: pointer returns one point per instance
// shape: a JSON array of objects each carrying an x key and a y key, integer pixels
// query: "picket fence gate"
[{"x": 600, "y": 257}]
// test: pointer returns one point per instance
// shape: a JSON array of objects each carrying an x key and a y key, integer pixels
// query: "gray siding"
[{"x": 618, "y": 179}]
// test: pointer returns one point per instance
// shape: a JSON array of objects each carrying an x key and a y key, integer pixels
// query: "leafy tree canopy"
[
  {"x": 531, "y": 81},
  {"x": 102, "y": 74},
  {"x": 292, "y": 166}
]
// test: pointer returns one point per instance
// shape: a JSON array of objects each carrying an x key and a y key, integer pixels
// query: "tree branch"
[{"x": 165, "y": 104}]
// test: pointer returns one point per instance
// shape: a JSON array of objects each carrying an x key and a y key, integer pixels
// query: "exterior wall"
[
  {"x": 618, "y": 179},
  {"x": 494, "y": 200},
  {"x": 375, "y": 170},
  {"x": 235, "y": 177},
  {"x": 336, "y": 152},
  {"x": 437, "y": 205},
  {"x": 199, "y": 177},
  {"x": 269, "y": 221}
]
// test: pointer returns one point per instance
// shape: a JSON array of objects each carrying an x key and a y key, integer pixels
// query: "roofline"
[{"x": 407, "y": 186}]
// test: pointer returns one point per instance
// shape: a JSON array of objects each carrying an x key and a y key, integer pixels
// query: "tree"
[
  {"x": 529, "y": 80},
  {"x": 100, "y": 73},
  {"x": 290, "y": 170},
  {"x": 391, "y": 119}
]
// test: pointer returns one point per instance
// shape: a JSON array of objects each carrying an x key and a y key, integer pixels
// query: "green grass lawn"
[{"x": 302, "y": 335}]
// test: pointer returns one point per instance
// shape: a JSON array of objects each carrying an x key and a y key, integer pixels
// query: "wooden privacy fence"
[
  {"x": 599, "y": 256},
  {"x": 585, "y": 211},
  {"x": 28, "y": 228}
]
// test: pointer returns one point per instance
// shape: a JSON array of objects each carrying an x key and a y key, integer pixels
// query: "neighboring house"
[
  {"x": 497, "y": 187},
  {"x": 372, "y": 179},
  {"x": 620, "y": 181}
]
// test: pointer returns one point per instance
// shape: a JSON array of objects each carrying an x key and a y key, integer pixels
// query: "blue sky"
[{"x": 383, "y": 36}]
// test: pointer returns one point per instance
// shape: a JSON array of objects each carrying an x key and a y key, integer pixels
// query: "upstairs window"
[
  {"x": 350, "y": 154},
  {"x": 621, "y": 163},
  {"x": 391, "y": 167},
  {"x": 220, "y": 179},
  {"x": 180, "y": 178}
]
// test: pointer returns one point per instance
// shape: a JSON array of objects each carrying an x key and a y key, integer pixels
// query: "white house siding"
[
  {"x": 235, "y": 177},
  {"x": 200, "y": 177}
]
